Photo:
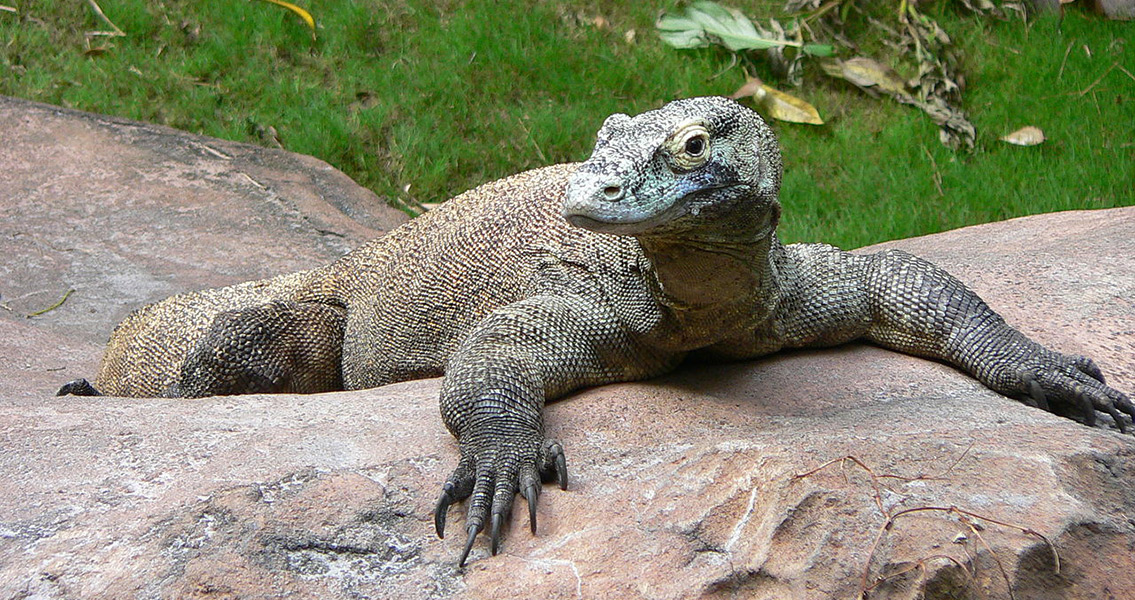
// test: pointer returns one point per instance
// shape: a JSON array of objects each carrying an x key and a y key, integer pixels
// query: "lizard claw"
[
  {"x": 555, "y": 463},
  {"x": 447, "y": 498},
  {"x": 495, "y": 536},
  {"x": 531, "y": 493},
  {"x": 474, "y": 529},
  {"x": 1055, "y": 382},
  {"x": 490, "y": 478}
]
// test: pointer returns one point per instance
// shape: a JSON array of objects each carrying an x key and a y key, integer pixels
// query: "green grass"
[{"x": 422, "y": 99}]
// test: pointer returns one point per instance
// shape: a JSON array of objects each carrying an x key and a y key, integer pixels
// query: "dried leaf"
[
  {"x": 1025, "y": 136},
  {"x": 629, "y": 36},
  {"x": 786, "y": 107},
  {"x": 778, "y": 105},
  {"x": 97, "y": 50},
  {"x": 867, "y": 74}
]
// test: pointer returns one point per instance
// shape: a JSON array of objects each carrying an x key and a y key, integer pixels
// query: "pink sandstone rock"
[
  {"x": 1122, "y": 10},
  {"x": 683, "y": 487}
]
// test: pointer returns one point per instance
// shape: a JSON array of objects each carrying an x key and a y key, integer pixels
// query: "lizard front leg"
[
  {"x": 492, "y": 400},
  {"x": 904, "y": 303},
  {"x": 919, "y": 308}
]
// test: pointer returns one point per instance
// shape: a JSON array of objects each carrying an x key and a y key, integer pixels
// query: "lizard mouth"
[
  {"x": 625, "y": 222},
  {"x": 630, "y": 215}
]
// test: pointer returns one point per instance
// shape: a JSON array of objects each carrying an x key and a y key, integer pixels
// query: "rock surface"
[
  {"x": 1122, "y": 10},
  {"x": 682, "y": 487}
]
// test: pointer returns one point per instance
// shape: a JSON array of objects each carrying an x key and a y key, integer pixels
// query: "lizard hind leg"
[{"x": 278, "y": 347}]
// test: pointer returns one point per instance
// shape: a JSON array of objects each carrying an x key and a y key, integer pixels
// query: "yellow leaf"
[
  {"x": 776, "y": 104},
  {"x": 303, "y": 14},
  {"x": 786, "y": 107},
  {"x": 1025, "y": 136},
  {"x": 868, "y": 74}
]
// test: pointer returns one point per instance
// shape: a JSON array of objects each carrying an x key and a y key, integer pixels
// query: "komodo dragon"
[{"x": 660, "y": 246}]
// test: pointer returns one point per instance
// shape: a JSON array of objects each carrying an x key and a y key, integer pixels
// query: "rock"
[
  {"x": 714, "y": 482},
  {"x": 1122, "y": 10},
  {"x": 126, "y": 213}
]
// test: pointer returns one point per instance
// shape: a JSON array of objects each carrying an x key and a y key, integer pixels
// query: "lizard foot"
[
  {"x": 1062, "y": 383},
  {"x": 78, "y": 387},
  {"x": 490, "y": 475}
]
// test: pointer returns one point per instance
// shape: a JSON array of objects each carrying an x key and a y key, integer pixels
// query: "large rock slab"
[
  {"x": 703, "y": 484},
  {"x": 125, "y": 213}
]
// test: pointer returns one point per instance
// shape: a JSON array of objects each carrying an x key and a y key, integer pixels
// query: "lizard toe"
[
  {"x": 1076, "y": 385},
  {"x": 489, "y": 478},
  {"x": 1088, "y": 366},
  {"x": 457, "y": 488},
  {"x": 554, "y": 464},
  {"x": 502, "y": 508},
  {"x": 78, "y": 387}
]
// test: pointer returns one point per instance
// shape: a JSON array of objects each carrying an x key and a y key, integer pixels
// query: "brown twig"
[
  {"x": 1084, "y": 92},
  {"x": 115, "y": 31},
  {"x": 967, "y": 517},
  {"x": 921, "y": 564},
  {"x": 1000, "y": 567},
  {"x": 962, "y": 514},
  {"x": 937, "y": 177},
  {"x": 1125, "y": 71},
  {"x": 841, "y": 460},
  {"x": 1064, "y": 62}
]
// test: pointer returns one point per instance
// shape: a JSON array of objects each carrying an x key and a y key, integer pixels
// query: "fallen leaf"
[
  {"x": 867, "y": 74},
  {"x": 303, "y": 14},
  {"x": 1025, "y": 136},
  {"x": 783, "y": 106},
  {"x": 601, "y": 22},
  {"x": 629, "y": 36},
  {"x": 818, "y": 49},
  {"x": 778, "y": 105}
]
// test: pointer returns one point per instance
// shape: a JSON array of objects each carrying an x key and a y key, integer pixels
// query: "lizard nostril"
[{"x": 613, "y": 193}]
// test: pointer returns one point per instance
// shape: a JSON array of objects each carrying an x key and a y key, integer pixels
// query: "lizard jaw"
[
  {"x": 619, "y": 222},
  {"x": 632, "y": 214}
]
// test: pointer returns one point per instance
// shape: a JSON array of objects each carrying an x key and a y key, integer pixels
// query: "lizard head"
[{"x": 706, "y": 168}]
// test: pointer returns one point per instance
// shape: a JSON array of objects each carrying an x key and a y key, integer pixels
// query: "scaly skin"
[{"x": 660, "y": 245}]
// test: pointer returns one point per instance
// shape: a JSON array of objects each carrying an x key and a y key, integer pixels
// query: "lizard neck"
[
  {"x": 691, "y": 275},
  {"x": 725, "y": 262},
  {"x": 712, "y": 292}
]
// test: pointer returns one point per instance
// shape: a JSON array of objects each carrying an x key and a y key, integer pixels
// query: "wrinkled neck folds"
[{"x": 694, "y": 275}]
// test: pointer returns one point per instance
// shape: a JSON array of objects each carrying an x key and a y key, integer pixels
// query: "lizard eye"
[
  {"x": 688, "y": 146},
  {"x": 695, "y": 146}
]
